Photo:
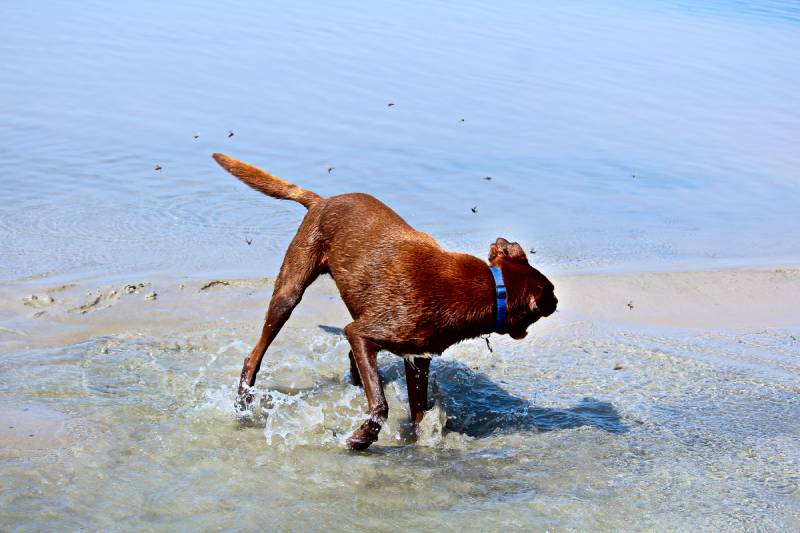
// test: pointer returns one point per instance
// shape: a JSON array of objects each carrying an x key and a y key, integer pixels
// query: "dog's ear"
[{"x": 502, "y": 249}]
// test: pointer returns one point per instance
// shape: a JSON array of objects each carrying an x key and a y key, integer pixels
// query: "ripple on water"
[
  {"x": 537, "y": 432},
  {"x": 92, "y": 231}
]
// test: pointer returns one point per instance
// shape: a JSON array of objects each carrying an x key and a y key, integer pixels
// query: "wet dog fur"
[{"x": 405, "y": 293}]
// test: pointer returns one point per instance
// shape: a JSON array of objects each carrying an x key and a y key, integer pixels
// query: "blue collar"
[{"x": 502, "y": 305}]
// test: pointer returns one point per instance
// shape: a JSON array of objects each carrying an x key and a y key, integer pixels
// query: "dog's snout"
[{"x": 548, "y": 307}]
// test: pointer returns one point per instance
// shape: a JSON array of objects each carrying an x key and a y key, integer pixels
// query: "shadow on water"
[
  {"x": 333, "y": 330},
  {"x": 477, "y": 406}
]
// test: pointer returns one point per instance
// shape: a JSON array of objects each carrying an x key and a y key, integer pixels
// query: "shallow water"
[
  {"x": 637, "y": 135},
  {"x": 542, "y": 434},
  {"x": 562, "y": 103}
]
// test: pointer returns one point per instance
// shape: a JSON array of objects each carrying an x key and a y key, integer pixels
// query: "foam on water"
[{"x": 306, "y": 399}]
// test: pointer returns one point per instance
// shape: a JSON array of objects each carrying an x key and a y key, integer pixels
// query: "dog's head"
[{"x": 530, "y": 294}]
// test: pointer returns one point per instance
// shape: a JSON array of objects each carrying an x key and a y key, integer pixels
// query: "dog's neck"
[
  {"x": 501, "y": 303},
  {"x": 471, "y": 305}
]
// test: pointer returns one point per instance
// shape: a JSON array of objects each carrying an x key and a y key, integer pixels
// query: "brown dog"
[{"x": 405, "y": 293}]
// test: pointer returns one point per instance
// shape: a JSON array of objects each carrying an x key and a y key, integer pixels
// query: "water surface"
[
  {"x": 563, "y": 103},
  {"x": 541, "y": 435}
]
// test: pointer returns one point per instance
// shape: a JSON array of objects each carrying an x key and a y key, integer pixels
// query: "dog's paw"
[
  {"x": 244, "y": 403},
  {"x": 366, "y": 434}
]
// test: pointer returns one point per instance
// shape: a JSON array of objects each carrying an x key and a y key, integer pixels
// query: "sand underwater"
[
  {"x": 680, "y": 413},
  {"x": 644, "y": 153}
]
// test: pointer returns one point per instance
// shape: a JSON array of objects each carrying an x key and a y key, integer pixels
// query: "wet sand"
[{"x": 36, "y": 314}]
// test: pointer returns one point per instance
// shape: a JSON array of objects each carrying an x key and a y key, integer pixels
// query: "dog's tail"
[{"x": 265, "y": 182}]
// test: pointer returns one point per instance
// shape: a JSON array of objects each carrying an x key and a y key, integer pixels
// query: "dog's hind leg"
[
  {"x": 365, "y": 354},
  {"x": 417, "y": 383},
  {"x": 301, "y": 266}
]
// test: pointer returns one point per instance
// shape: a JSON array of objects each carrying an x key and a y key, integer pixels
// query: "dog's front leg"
[
  {"x": 417, "y": 383},
  {"x": 365, "y": 355},
  {"x": 355, "y": 379}
]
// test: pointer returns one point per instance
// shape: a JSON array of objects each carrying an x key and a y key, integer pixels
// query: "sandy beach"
[{"x": 37, "y": 315}]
